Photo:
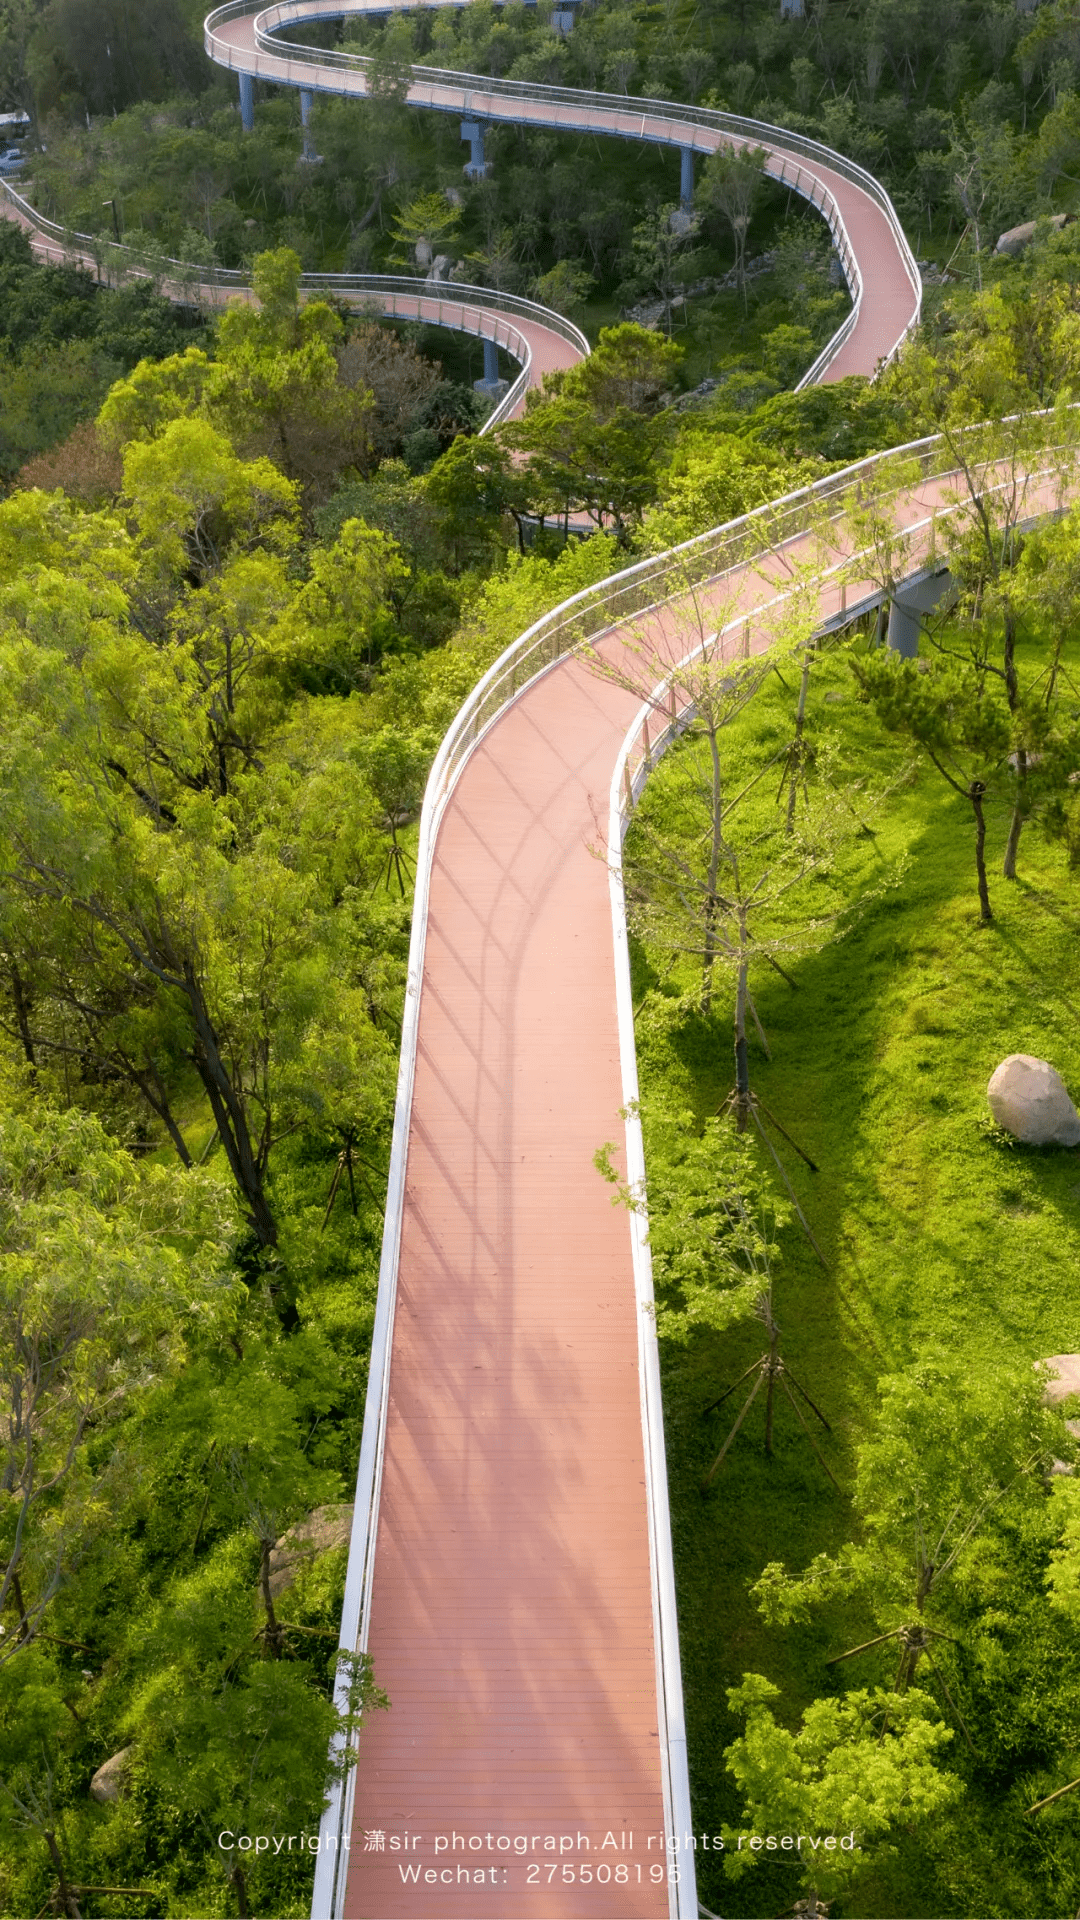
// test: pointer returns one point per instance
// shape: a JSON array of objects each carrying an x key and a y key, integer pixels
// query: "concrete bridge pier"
[
  {"x": 306, "y": 98},
  {"x": 476, "y": 167},
  {"x": 247, "y": 102},
  {"x": 914, "y": 598},
  {"x": 491, "y": 385},
  {"x": 686, "y": 178}
]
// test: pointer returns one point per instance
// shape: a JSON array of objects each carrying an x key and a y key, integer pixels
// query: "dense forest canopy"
[{"x": 249, "y": 567}]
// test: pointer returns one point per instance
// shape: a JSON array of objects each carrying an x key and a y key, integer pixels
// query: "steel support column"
[
  {"x": 475, "y": 165},
  {"x": 911, "y": 601},
  {"x": 247, "y": 101}
]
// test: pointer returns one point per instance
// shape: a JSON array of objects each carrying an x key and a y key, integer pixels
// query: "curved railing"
[
  {"x": 577, "y": 109},
  {"x": 460, "y": 309}
]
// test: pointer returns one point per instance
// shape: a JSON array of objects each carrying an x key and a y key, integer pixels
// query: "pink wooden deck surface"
[{"x": 512, "y": 1614}]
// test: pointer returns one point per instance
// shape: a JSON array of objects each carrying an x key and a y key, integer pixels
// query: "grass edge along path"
[{"x": 943, "y": 1241}]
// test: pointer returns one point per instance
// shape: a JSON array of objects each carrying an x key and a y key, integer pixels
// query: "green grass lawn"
[{"x": 941, "y": 1238}]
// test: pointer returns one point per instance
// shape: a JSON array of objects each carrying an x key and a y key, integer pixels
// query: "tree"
[
  {"x": 947, "y": 1453},
  {"x": 197, "y": 501},
  {"x": 155, "y": 393},
  {"x": 657, "y": 245},
  {"x": 856, "y": 1768},
  {"x": 594, "y": 440},
  {"x": 421, "y": 228},
  {"x": 402, "y": 384},
  {"x": 711, "y": 1221},
  {"x": 952, "y": 715},
  {"x": 566, "y": 287},
  {"x": 339, "y": 625},
  {"x": 1008, "y": 369},
  {"x": 276, "y": 386},
  {"x": 238, "y": 1745},
  {"x": 473, "y": 485},
  {"x": 155, "y": 808},
  {"x": 726, "y": 894},
  {"x": 730, "y": 186},
  {"x": 106, "y": 1271},
  {"x": 111, "y": 55}
]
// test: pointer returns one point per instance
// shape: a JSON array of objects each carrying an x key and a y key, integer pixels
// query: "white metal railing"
[
  {"x": 479, "y": 311},
  {"x": 636, "y": 117},
  {"x": 650, "y": 582}
]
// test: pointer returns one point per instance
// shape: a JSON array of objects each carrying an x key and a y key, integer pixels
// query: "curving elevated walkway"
[
  {"x": 539, "y": 340},
  {"x": 510, "y": 1570},
  {"x": 877, "y": 261}
]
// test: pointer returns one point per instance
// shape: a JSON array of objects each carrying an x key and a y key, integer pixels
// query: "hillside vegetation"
[{"x": 248, "y": 571}]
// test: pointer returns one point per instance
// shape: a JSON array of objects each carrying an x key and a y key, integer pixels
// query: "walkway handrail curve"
[
  {"x": 382, "y": 290},
  {"x": 649, "y": 583}
]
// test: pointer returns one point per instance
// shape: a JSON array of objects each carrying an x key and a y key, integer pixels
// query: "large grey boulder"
[
  {"x": 1028, "y": 1098},
  {"x": 1063, "y": 1378},
  {"x": 322, "y": 1531},
  {"x": 1017, "y": 238},
  {"x": 107, "y": 1784}
]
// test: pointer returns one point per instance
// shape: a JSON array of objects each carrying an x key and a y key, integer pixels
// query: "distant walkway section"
[
  {"x": 877, "y": 262},
  {"x": 537, "y": 339}
]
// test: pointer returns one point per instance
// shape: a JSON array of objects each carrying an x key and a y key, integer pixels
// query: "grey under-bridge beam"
[
  {"x": 911, "y": 600},
  {"x": 476, "y": 167}
]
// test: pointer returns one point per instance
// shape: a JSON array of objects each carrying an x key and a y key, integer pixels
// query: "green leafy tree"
[
  {"x": 947, "y": 1456},
  {"x": 729, "y": 190},
  {"x": 711, "y": 1221},
  {"x": 595, "y": 439},
  {"x": 951, "y": 714},
  {"x": 856, "y": 1769},
  {"x": 340, "y": 625},
  {"x": 422, "y": 227},
  {"x": 276, "y": 386},
  {"x": 107, "y": 1271},
  {"x": 472, "y": 486},
  {"x": 566, "y": 287},
  {"x": 179, "y": 878},
  {"x": 236, "y": 1745}
]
